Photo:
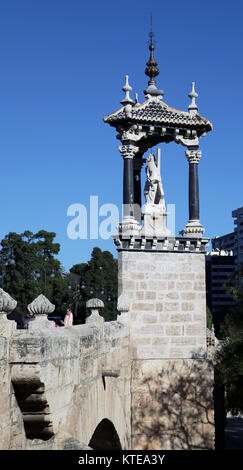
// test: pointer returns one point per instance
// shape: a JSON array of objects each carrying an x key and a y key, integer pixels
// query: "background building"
[
  {"x": 220, "y": 276},
  {"x": 222, "y": 267},
  {"x": 233, "y": 241},
  {"x": 238, "y": 241}
]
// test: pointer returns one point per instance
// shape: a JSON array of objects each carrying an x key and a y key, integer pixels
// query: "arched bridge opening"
[{"x": 105, "y": 437}]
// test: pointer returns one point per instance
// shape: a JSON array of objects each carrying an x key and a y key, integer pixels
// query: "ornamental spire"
[
  {"x": 127, "y": 88},
  {"x": 152, "y": 67},
  {"x": 192, "y": 108}
]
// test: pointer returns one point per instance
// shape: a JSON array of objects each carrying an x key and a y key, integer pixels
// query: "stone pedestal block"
[
  {"x": 167, "y": 303},
  {"x": 172, "y": 382}
]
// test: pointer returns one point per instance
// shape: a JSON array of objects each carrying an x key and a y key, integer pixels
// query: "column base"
[
  {"x": 129, "y": 226},
  {"x": 193, "y": 229}
]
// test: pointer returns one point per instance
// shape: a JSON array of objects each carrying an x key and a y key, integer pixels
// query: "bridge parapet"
[{"x": 64, "y": 379}]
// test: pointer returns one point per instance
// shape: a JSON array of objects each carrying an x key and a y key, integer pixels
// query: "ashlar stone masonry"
[
  {"x": 172, "y": 382},
  {"x": 167, "y": 303}
]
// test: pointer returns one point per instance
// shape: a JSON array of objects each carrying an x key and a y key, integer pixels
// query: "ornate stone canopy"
[
  {"x": 154, "y": 122},
  {"x": 143, "y": 126}
]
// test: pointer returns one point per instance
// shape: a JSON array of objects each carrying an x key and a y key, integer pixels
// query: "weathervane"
[{"x": 151, "y": 69}]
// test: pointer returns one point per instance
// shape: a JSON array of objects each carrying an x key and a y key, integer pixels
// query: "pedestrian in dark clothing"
[
  {"x": 16, "y": 316},
  {"x": 29, "y": 317}
]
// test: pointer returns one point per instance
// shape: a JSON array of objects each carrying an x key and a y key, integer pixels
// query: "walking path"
[{"x": 234, "y": 434}]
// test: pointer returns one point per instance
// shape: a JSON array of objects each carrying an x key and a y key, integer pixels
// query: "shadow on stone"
[{"x": 174, "y": 409}]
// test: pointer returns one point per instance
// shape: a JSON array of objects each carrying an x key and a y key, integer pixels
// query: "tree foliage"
[
  {"x": 96, "y": 278},
  {"x": 29, "y": 268},
  {"x": 209, "y": 318},
  {"x": 230, "y": 357}
]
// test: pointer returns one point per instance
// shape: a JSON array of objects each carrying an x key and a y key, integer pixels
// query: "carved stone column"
[
  {"x": 129, "y": 223},
  {"x": 193, "y": 227}
]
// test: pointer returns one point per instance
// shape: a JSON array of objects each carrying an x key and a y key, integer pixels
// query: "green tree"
[
  {"x": 96, "y": 278},
  {"x": 230, "y": 356},
  {"x": 29, "y": 268},
  {"x": 209, "y": 318}
]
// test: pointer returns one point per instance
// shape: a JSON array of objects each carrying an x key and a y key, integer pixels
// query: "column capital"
[
  {"x": 193, "y": 156},
  {"x": 128, "y": 150}
]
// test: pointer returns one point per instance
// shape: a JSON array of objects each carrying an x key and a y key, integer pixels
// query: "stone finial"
[
  {"x": 192, "y": 108},
  {"x": 123, "y": 304},
  {"x": 152, "y": 71},
  {"x": 127, "y": 88},
  {"x": 136, "y": 99},
  {"x": 94, "y": 305},
  {"x": 152, "y": 66},
  {"x": 7, "y": 303},
  {"x": 41, "y": 306}
]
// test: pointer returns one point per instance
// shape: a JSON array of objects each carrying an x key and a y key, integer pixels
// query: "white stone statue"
[
  {"x": 154, "y": 211},
  {"x": 153, "y": 191}
]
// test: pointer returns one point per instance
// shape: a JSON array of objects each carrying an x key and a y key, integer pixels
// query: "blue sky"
[{"x": 62, "y": 67}]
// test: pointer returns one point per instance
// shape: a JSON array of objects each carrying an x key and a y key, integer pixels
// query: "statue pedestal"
[
  {"x": 162, "y": 296},
  {"x": 154, "y": 216}
]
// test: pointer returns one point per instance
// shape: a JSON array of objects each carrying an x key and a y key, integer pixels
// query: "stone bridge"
[
  {"x": 65, "y": 388},
  {"x": 144, "y": 381}
]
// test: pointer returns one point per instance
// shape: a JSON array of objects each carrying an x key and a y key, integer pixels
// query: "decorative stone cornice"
[
  {"x": 133, "y": 134},
  {"x": 161, "y": 244},
  {"x": 193, "y": 142},
  {"x": 193, "y": 156}
]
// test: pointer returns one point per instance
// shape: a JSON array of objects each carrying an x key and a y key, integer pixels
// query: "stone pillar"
[
  {"x": 163, "y": 300},
  {"x": 129, "y": 224},
  {"x": 193, "y": 228}
]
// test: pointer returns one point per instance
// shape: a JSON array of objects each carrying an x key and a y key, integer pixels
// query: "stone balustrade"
[{"x": 58, "y": 384}]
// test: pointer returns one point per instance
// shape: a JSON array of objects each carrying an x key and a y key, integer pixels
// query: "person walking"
[{"x": 68, "y": 319}]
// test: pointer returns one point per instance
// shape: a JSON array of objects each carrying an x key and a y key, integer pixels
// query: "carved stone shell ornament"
[
  {"x": 94, "y": 303},
  {"x": 7, "y": 303},
  {"x": 41, "y": 306},
  {"x": 123, "y": 304}
]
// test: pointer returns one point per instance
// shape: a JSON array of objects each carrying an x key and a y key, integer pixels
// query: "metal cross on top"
[{"x": 143, "y": 126}]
